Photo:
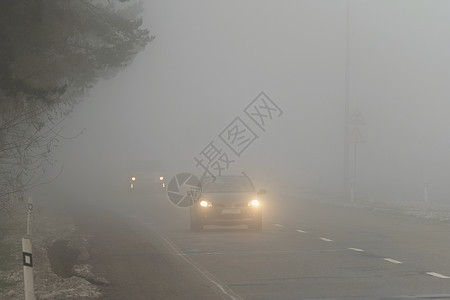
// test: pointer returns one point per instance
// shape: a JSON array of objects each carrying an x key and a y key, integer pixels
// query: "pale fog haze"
[
  {"x": 329, "y": 121},
  {"x": 209, "y": 60}
]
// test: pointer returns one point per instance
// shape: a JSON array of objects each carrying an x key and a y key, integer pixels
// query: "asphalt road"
[{"x": 308, "y": 250}]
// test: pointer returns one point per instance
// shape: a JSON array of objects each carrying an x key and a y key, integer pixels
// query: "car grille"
[{"x": 239, "y": 204}]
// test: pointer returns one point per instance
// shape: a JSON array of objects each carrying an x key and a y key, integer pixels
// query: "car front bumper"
[{"x": 226, "y": 216}]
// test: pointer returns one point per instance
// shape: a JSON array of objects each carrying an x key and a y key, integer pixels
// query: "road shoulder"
[{"x": 136, "y": 261}]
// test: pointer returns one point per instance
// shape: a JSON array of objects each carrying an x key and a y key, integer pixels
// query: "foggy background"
[{"x": 210, "y": 59}]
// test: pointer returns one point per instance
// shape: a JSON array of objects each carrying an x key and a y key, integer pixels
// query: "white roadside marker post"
[
  {"x": 28, "y": 269},
  {"x": 27, "y": 254}
]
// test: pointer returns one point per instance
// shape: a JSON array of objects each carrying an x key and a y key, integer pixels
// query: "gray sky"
[{"x": 211, "y": 58}]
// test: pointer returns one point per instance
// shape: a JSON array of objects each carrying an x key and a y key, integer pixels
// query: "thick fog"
[{"x": 210, "y": 59}]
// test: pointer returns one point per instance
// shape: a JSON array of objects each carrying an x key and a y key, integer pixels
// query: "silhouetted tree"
[{"x": 51, "y": 52}]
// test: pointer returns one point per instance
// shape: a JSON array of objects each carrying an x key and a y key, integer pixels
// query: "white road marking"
[
  {"x": 438, "y": 275},
  {"x": 177, "y": 251},
  {"x": 278, "y": 225},
  {"x": 301, "y": 231},
  {"x": 392, "y": 260},
  {"x": 356, "y": 249},
  {"x": 325, "y": 239}
]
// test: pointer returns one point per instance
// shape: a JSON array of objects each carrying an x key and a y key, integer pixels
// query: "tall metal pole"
[
  {"x": 29, "y": 208},
  {"x": 354, "y": 173},
  {"x": 347, "y": 107}
]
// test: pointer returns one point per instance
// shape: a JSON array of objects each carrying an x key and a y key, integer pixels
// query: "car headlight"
[
  {"x": 204, "y": 203},
  {"x": 161, "y": 178},
  {"x": 254, "y": 203},
  {"x": 133, "y": 178}
]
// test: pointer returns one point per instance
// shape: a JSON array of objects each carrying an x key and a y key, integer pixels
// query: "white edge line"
[
  {"x": 325, "y": 239},
  {"x": 301, "y": 231},
  {"x": 392, "y": 260},
  {"x": 438, "y": 275},
  {"x": 278, "y": 225},
  {"x": 356, "y": 249},
  {"x": 224, "y": 289}
]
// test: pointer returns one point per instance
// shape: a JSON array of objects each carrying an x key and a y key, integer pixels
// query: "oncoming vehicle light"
[
  {"x": 254, "y": 203},
  {"x": 133, "y": 178},
  {"x": 204, "y": 203},
  {"x": 161, "y": 178}
]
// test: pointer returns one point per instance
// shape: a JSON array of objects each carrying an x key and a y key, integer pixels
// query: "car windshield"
[{"x": 223, "y": 184}]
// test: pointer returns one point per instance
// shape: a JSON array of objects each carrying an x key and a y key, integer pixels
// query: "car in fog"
[
  {"x": 227, "y": 201},
  {"x": 139, "y": 181},
  {"x": 146, "y": 176}
]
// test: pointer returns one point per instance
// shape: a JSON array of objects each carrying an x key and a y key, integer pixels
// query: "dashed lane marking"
[
  {"x": 171, "y": 246},
  {"x": 356, "y": 249},
  {"x": 278, "y": 225},
  {"x": 392, "y": 260},
  {"x": 301, "y": 231},
  {"x": 325, "y": 239},
  {"x": 438, "y": 275}
]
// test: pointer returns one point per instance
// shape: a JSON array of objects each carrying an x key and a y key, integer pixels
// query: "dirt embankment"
[
  {"x": 93, "y": 253},
  {"x": 60, "y": 256}
]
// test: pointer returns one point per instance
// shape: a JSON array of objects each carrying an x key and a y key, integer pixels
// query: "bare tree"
[{"x": 51, "y": 52}]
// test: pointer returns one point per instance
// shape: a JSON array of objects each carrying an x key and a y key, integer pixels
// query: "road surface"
[{"x": 307, "y": 250}]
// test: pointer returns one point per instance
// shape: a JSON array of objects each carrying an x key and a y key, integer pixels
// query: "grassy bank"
[{"x": 12, "y": 229}]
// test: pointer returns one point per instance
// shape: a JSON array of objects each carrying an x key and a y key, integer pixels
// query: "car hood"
[{"x": 229, "y": 197}]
